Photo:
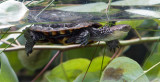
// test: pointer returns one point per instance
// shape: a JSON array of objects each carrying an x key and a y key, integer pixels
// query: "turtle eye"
[{"x": 126, "y": 28}]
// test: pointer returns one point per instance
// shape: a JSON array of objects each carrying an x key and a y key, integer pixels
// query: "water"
[{"x": 96, "y": 12}]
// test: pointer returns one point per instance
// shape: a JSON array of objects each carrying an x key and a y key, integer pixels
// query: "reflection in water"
[{"x": 115, "y": 13}]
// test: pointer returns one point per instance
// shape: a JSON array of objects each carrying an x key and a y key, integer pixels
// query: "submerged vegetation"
[{"x": 137, "y": 59}]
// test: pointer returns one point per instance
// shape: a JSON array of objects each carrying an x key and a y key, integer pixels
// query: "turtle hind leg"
[{"x": 113, "y": 45}]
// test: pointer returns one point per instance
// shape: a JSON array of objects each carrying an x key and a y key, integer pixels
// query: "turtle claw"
[
  {"x": 112, "y": 49},
  {"x": 84, "y": 43},
  {"x": 83, "y": 38},
  {"x": 29, "y": 47},
  {"x": 113, "y": 45},
  {"x": 118, "y": 46}
]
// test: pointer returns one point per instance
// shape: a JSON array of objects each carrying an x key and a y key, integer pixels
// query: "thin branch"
[
  {"x": 114, "y": 55},
  {"x": 102, "y": 43},
  {"x": 9, "y": 44},
  {"x": 17, "y": 42},
  {"x": 120, "y": 52},
  {"x": 44, "y": 69},
  {"x": 107, "y": 9},
  {"x": 137, "y": 33},
  {"x": 63, "y": 69},
  {"x": 90, "y": 62},
  {"x": 10, "y": 32},
  {"x": 146, "y": 71},
  {"x": 5, "y": 33},
  {"x": 140, "y": 41},
  {"x": 108, "y": 5},
  {"x": 44, "y": 9},
  {"x": 29, "y": 2},
  {"x": 6, "y": 42}
]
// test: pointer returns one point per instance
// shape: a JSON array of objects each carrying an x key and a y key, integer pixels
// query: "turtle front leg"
[
  {"x": 113, "y": 45},
  {"x": 29, "y": 41},
  {"x": 29, "y": 47},
  {"x": 81, "y": 38}
]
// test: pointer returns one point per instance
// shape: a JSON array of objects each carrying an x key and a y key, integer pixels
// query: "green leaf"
[
  {"x": 136, "y": 2},
  {"x": 34, "y": 61},
  {"x": 158, "y": 75},
  {"x": 123, "y": 69},
  {"x": 141, "y": 11},
  {"x": 14, "y": 61},
  {"x": 157, "y": 79},
  {"x": 97, "y": 63},
  {"x": 148, "y": 13},
  {"x": 7, "y": 74},
  {"x": 157, "y": 20},
  {"x": 92, "y": 7},
  {"x": 69, "y": 70},
  {"x": 11, "y": 13},
  {"x": 90, "y": 77},
  {"x": 152, "y": 60},
  {"x": 133, "y": 24}
]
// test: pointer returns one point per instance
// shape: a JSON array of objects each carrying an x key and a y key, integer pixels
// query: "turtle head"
[
  {"x": 121, "y": 28},
  {"x": 120, "y": 31},
  {"x": 112, "y": 33},
  {"x": 117, "y": 32}
]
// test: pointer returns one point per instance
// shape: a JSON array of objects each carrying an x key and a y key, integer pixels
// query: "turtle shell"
[
  {"x": 59, "y": 33},
  {"x": 62, "y": 28}
]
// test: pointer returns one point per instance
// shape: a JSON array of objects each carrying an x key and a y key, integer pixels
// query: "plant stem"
[
  {"x": 69, "y": 47},
  {"x": 146, "y": 71},
  {"x": 44, "y": 9},
  {"x": 61, "y": 63},
  {"x": 9, "y": 43},
  {"x": 10, "y": 32},
  {"x": 137, "y": 33},
  {"x": 49, "y": 63},
  {"x": 90, "y": 63}
]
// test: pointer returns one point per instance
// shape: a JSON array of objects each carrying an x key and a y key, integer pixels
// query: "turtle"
[{"x": 82, "y": 33}]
